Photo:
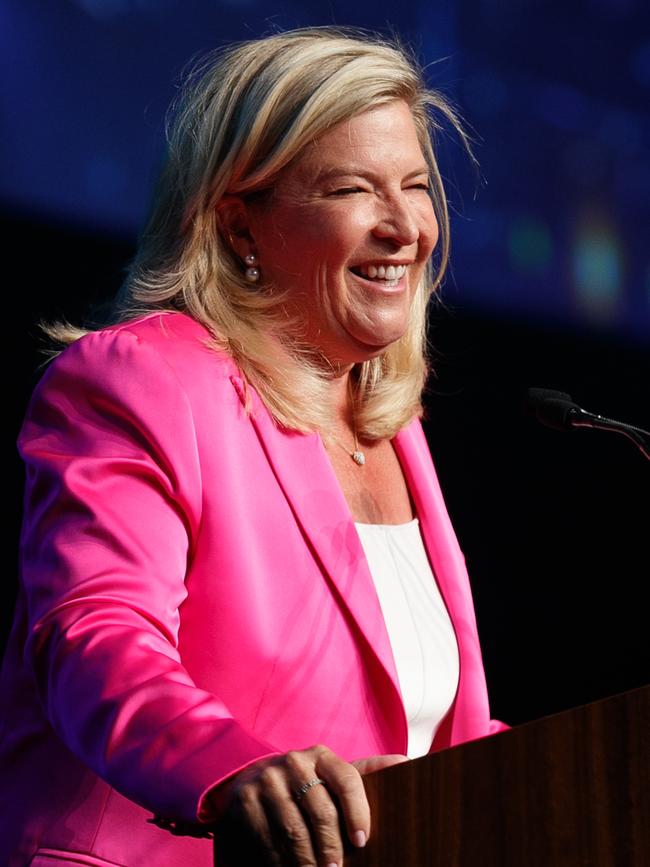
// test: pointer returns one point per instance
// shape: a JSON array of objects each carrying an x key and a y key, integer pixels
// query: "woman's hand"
[{"x": 288, "y": 810}]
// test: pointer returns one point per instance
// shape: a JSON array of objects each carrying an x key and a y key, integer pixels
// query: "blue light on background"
[
  {"x": 597, "y": 269},
  {"x": 531, "y": 246}
]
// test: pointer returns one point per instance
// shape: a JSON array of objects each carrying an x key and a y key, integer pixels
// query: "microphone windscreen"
[{"x": 551, "y": 408}]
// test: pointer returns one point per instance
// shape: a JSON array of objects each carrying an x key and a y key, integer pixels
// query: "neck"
[{"x": 340, "y": 400}]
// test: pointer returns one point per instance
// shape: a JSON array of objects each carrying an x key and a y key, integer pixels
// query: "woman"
[{"x": 209, "y": 628}]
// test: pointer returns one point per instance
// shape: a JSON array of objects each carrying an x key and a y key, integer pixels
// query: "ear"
[{"x": 232, "y": 217}]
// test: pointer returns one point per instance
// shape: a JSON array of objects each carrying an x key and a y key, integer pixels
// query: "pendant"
[{"x": 359, "y": 458}]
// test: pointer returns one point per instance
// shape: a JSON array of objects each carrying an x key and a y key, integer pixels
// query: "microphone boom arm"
[{"x": 577, "y": 417}]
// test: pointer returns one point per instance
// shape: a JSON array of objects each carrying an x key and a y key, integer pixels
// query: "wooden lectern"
[{"x": 569, "y": 790}]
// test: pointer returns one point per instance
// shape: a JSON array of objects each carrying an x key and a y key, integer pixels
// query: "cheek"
[
  {"x": 336, "y": 229},
  {"x": 310, "y": 244},
  {"x": 429, "y": 229}
]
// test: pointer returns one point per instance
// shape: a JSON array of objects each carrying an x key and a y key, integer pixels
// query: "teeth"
[{"x": 381, "y": 272}]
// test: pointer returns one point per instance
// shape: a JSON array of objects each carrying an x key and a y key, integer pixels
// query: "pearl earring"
[{"x": 252, "y": 272}]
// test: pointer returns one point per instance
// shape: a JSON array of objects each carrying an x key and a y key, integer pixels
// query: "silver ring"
[{"x": 307, "y": 786}]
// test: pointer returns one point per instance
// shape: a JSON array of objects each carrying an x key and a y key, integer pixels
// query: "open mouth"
[{"x": 387, "y": 275}]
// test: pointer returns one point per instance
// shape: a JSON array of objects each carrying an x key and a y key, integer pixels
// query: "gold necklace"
[{"x": 357, "y": 455}]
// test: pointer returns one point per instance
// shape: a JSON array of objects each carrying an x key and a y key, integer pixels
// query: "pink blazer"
[{"x": 194, "y": 597}]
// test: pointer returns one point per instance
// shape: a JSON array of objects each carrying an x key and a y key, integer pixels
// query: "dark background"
[{"x": 550, "y": 282}]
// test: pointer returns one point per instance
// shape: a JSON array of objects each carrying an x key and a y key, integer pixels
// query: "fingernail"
[
  {"x": 359, "y": 838},
  {"x": 333, "y": 864}
]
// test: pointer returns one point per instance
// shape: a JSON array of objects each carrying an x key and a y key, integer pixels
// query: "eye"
[
  {"x": 421, "y": 186},
  {"x": 346, "y": 191}
]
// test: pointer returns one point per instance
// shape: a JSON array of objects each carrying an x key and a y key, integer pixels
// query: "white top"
[{"x": 420, "y": 631}]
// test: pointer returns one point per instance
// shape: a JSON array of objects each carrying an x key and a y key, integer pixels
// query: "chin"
[
  {"x": 364, "y": 339},
  {"x": 382, "y": 335},
  {"x": 368, "y": 346}
]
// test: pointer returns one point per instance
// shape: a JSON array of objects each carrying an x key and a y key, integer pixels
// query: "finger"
[
  {"x": 286, "y": 820},
  {"x": 345, "y": 784},
  {"x": 323, "y": 820},
  {"x": 243, "y": 835},
  {"x": 377, "y": 763}
]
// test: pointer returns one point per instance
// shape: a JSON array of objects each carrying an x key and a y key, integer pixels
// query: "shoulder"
[
  {"x": 164, "y": 329},
  {"x": 176, "y": 337},
  {"x": 159, "y": 346},
  {"x": 160, "y": 364}
]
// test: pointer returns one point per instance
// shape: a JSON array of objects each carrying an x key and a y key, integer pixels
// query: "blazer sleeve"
[{"x": 112, "y": 511}]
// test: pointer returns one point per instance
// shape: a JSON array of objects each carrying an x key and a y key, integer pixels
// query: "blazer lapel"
[
  {"x": 469, "y": 714},
  {"x": 437, "y": 532},
  {"x": 306, "y": 477}
]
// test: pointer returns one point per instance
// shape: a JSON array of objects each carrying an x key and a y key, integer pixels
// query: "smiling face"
[{"x": 347, "y": 233}]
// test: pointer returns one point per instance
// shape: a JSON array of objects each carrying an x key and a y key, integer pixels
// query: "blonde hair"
[{"x": 244, "y": 115}]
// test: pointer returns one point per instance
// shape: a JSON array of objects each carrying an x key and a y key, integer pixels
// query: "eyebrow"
[{"x": 358, "y": 171}]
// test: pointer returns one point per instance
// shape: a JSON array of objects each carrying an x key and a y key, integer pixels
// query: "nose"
[{"x": 397, "y": 222}]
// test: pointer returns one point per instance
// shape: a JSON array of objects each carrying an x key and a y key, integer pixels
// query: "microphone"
[{"x": 557, "y": 410}]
